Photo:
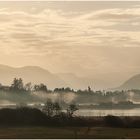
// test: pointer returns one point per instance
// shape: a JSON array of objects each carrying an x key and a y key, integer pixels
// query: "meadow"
[{"x": 68, "y": 132}]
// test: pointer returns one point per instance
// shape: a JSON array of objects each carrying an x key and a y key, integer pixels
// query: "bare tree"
[
  {"x": 57, "y": 108},
  {"x": 49, "y": 108},
  {"x": 71, "y": 109},
  {"x": 17, "y": 84}
]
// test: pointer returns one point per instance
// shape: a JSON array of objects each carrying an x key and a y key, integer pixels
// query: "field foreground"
[
  {"x": 32, "y": 123},
  {"x": 68, "y": 132}
]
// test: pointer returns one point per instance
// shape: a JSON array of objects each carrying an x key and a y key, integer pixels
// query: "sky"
[{"x": 99, "y": 40}]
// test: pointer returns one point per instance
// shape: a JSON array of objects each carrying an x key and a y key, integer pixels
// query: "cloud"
[
  {"x": 56, "y": 28},
  {"x": 72, "y": 40}
]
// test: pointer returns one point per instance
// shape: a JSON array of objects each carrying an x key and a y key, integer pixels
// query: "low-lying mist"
[
  {"x": 39, "y": 97},
  {"x": 19, "y": 93},
  {"x": 10, "y": 97},
  {"x": 55, "y": 97}
]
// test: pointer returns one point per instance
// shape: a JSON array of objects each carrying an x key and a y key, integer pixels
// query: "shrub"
[{"x": 113, "y": 121}]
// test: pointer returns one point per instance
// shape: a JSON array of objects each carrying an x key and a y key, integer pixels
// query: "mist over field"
[
  {"x": 7, "y": 98},
  {"x": 65, "y": 96}
]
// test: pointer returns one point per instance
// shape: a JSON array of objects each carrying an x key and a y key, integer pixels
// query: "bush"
[
  {"x": 23, "y": 115},
  {"x": 113, "y": 121},
  {"x": 135, "y": 124}
]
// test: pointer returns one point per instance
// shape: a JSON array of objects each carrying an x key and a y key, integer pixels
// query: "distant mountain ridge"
[
  {"x": 76, "y": 82},
  {"x": 131, "y": 83},
  {"x": 36, "y": 75},
  {"x": 32, "y": 74}
]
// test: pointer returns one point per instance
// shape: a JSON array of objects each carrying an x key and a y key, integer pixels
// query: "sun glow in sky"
[{"x": 85, "y": 38}]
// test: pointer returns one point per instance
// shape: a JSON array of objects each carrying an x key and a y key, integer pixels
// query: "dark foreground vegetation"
[
  {"x": 25, "y": 116},
  {"x": 32, "y": 123}
]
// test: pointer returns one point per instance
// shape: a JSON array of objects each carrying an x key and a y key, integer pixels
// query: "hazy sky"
[{"x": 85, "y": 38}]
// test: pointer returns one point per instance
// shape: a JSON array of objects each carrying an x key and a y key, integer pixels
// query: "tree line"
[{"x": 87, "y": 95}]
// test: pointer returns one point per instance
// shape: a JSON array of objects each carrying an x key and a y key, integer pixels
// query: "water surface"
[{"x": 118, "y": 112}]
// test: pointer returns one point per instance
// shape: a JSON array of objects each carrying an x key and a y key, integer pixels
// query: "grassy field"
[{"x": 68, "y": 132}]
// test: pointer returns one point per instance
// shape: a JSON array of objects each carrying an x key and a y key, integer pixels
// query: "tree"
[
  {"x": 56, "y": 108},
  {"x": 89, "y": 89},
  {"x": 36, "y": 87},
  {"x": 43, "y": 87},
  {"x": 49, "y": 108},
  {"x": 28, "y": 86},
  {"x": 68, "y": 89},
  {"x": 59, "y": 90},
  {"x": 40, "y": 87},
  {"x": 71, "y": 109},
  {"x": 17, "y": 84}
]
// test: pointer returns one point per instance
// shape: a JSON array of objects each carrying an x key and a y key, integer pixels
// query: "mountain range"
[
  {"x": 132, "y": 83},
  {"x": 36, "y": 75}
]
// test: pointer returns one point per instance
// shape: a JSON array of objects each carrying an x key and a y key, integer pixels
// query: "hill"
[
  {"x": 131, "y": 83},
  {"x": 36, "y": 75},
  {"x": 32, "y": 74},
  {"x": 75, "y": 81}
]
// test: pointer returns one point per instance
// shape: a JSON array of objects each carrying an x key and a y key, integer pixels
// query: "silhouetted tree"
[
  {"x": 43, "y": 87},
  {"x": 28, "y": 86},
  {"x": 17, "y": 84},
  {"x": 67, "y": 89},
  {"x": 36, "y": 87},
  {"x": 59, "y": 89},
  {"x": 89, "y": 89},
  {"x": 40, "y": 87},
  {"x": 71, "y": 109},
  {"x": 57, "y": 108},
  {"x": 49, "y": 108}
]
